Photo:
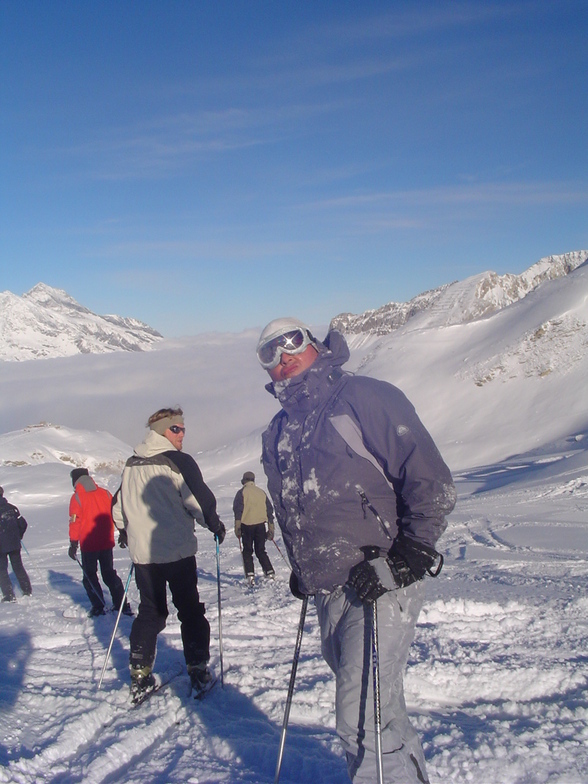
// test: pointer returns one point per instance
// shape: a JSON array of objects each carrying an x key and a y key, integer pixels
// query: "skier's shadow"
[
  {"x": 103, "y": 625},
  {"x": 15, "y": 650},
  {"x": 255, "y": 740}
]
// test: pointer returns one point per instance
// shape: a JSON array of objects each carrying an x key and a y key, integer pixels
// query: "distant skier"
[
  {"x": 12, "y": 528},
  {"x": 91, "y": 527},
  {"x": 161, "y": 496},
  {"x": 253, "y": 509},
  {"x": 350, "y": 466}
]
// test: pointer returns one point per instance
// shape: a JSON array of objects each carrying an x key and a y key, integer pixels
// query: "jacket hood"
[{"x": 153, "y": 444}]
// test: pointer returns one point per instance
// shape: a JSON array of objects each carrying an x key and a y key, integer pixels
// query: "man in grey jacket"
[
  {"x": 350, "y": 465},
  {"x": 162, "y": 495}
]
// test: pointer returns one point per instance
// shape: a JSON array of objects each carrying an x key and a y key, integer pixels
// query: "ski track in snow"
[{"x": 496, "y": 682}]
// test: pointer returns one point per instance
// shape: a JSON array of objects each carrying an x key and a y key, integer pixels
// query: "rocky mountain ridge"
[{"x": 461, "y": 301}]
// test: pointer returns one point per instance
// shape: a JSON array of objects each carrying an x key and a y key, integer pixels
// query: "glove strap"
[{"x": 436, "y": 571}]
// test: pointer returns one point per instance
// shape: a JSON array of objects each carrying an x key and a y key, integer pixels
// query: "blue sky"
[{"x": 213, "y": 165}]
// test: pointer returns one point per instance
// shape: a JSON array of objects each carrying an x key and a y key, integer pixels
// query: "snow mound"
[{"x": 44, "y": 443}]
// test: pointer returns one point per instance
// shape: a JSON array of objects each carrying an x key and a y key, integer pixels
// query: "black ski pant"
[
  {"x": 253, "y": 536},
  {"x": 152, "y": 581},
  {"x": 90, "y": 561},
  {"x": 19, "y": 572}
]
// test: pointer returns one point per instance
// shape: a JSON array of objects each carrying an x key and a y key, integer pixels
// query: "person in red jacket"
[{"x": 92, "y": 528}]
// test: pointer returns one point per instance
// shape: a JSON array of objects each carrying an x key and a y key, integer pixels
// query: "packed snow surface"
[{"x": 497, "y": 676}]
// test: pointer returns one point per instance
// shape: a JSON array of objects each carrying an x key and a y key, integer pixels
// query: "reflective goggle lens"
[{"x": 293, "y": 342}]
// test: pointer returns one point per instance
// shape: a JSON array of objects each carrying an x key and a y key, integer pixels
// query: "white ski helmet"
[{"x": 282, "y": 326}]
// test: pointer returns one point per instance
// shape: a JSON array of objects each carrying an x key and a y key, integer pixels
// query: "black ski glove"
[
  {"x": 294, "y": 587},
  {"x": 123, "y": 539},
  {"x": 73, "y": 549},
  {"x": 221, "y": 533},
  {"x": 405, "y": 562},
  {"x": 410, "y": 560},
  {"x": 372, "y": 577}
]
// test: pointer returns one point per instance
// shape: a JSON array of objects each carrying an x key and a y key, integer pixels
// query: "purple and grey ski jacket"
[{"x": 348, "y": 464}]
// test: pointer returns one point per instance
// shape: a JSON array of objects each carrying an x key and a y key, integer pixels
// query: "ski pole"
[
  {"x": 220, "y": 628},
  {"x": 242, "y": 561},
  {"x": 32, "y": 560},
  {"x": 377, "y": 705},
  {"x": 291, "y": 687},
  {"x": 281, "y": 553},
  {"x": 120, "y": 609},
  {"x": 102, "y": 602},
  {"x": 370, "y": 554}
]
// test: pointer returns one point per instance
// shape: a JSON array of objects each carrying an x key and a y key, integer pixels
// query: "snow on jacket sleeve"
[
  {"x": 199, "y": 489},
  {"x": 395, "y": 435}
]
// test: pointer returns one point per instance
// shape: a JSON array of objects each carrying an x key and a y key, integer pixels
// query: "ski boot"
[
  {"x": 96, "y": 611},
  {"x": 250, "y": 577},
  {"x": 201, "y": 679},
  {"x": 142, "y": 682}
]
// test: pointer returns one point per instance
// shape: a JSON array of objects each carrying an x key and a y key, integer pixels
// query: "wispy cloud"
[
  {"x": 161, "y": 146},
  {"x": 518, "y": 193}
]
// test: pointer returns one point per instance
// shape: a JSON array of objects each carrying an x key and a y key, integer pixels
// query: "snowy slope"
[
  {"x": 474, "y": 383},
  {"x": 496, "y": 682},
  {"x": 47, "y": 322}
]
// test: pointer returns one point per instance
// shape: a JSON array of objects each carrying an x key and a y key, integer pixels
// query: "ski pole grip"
[{"x": 370, "y": 552}]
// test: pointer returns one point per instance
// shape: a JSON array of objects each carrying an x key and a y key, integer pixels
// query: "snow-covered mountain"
[
  {"x": 46, "y": 322},
  {"x": 461, "y": 301}
]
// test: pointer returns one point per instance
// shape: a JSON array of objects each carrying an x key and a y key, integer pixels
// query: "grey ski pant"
[{"x": 346, "y": 645}]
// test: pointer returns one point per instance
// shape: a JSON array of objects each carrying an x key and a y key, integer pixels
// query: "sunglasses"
[
  {"x": 177, "y": 429},
  {"x": 293, "y": 342}
]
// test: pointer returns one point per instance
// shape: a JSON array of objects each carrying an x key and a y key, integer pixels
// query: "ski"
[
  {"x": 80, "y": 614},
  {"x": 196, "y": 694},
  {"x": 165, "y": 681},
  {"x": 200, "y": 694}
]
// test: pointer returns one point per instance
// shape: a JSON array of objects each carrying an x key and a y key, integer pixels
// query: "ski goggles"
[
  {"x": 294, "y": 341},
  {"x": 177, "y": 429}
]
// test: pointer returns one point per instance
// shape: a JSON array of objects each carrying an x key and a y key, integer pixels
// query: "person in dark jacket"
[
  {"x": 12, "y": 528},
  {"x": 350, "y": 465},
  {"x": 162, "y": 495},
  {"x": 253, "y": 510},
  {"x": 91, "y": 527}
]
